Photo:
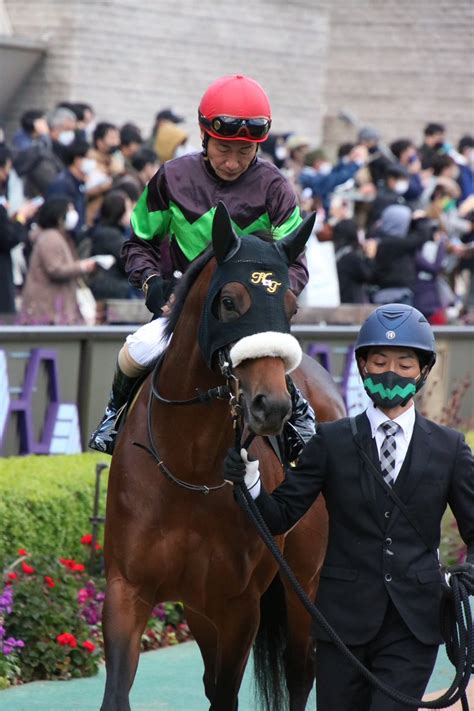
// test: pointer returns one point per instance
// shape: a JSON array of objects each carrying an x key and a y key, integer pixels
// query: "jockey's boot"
[
  {"x": 300, "y": 427},
  {"x": 103, "y": 438}
]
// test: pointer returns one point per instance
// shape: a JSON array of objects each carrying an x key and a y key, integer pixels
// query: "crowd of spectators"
[{"x": 399, "y": 217}]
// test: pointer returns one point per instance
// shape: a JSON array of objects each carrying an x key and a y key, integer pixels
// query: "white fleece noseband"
[{"x": 268, "y": 343}]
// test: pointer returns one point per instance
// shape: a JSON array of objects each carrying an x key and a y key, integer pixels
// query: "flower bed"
[{"x": 50, "y": 612}]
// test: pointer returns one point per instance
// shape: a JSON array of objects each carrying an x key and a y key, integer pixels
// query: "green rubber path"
[{"x": 167, "y": 680}]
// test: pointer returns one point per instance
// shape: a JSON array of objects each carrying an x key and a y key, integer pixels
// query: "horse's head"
[{"x": 247, "y": 316}]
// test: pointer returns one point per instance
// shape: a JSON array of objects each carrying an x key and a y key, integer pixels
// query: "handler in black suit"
[{"x": 381, "y": 583}]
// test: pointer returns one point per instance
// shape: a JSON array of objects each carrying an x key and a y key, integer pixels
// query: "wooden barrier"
[{"x": 122, "y": 311}]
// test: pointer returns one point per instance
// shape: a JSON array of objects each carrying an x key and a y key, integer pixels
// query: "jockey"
[{"x": 179, "y": 202}]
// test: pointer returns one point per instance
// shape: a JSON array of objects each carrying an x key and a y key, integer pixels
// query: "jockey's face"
[{"x": 230, "y": 159}]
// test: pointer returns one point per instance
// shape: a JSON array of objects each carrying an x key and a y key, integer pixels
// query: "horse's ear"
[
  {"x": 224, "y": 240},
  {"x": 293, "y": 244}
]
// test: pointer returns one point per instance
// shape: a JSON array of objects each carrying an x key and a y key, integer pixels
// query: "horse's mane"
[
  {"x": 187, "y": 280},
  {"x": 184, "y": 287}
]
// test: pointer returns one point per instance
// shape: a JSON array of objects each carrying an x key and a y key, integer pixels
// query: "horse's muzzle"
[{"x": 266, "y": 414}]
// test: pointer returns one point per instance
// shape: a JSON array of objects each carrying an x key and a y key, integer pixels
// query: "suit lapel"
[
  {"x": 420, "y": 458},
  {"x": 363, "y": 440}
]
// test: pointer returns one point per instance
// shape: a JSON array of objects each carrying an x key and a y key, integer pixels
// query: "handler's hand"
[
  {"x": 239, "y": 469},
  {"x": 461, "y": 569}
]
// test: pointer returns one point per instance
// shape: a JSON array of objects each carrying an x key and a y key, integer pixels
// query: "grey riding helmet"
[{"x": 400, "y": 326}]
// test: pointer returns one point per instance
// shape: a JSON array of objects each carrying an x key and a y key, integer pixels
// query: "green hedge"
[{"x": 46, "y": 503}]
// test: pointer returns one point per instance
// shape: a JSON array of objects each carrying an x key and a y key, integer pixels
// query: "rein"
[{"x": 230, "y": 391}]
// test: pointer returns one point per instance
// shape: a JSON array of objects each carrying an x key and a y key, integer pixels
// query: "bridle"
[{"x": 231, "y": 391}]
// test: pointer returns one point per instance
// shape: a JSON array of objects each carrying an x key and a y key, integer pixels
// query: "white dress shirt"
[{"x": 405, "y": 422}]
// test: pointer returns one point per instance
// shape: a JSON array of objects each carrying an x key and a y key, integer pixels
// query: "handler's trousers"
[{"x": 394, "y": 655}]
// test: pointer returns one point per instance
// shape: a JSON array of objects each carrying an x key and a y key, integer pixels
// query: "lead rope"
[{"x": 460, "y": 647}]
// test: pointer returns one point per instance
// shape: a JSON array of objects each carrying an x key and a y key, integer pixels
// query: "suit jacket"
[{"x": 374, "y": 554}]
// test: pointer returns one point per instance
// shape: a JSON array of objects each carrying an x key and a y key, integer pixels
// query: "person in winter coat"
[
  {"x": 399, "y": 238},
  {"x": 390, "y": 192},
  {"x": 107, "y": 238},
  {"x": 169, "y": 138},
  {"x": 427, "y": 293},
  {"x": 13, "y": 231},
  {"x": 49, "y": 294},
  {"x": 354, "y": 269}
]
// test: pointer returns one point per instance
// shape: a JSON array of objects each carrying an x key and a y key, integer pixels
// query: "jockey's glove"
[
  {"x": 238, "y": 469},
  {"x": 155, "y": 297}
]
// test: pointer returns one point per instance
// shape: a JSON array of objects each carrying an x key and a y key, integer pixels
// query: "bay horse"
[{"x": 190, "y": 541}]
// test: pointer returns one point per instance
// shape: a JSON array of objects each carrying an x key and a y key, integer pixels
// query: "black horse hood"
[{"x": 262, "y": 267}]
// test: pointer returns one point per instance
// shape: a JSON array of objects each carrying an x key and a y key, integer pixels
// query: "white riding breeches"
[{"x": 148, "y": 342}]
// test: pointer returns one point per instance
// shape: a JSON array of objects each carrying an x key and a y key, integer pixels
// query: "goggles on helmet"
[{"x": 234, "y": 127}]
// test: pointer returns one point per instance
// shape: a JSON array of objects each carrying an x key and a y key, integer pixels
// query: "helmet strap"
[
  {"x": 205, "y": 141},
  {"x": 422, "y": 378}
]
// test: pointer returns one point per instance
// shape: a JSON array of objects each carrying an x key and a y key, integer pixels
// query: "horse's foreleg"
[
  {"x": 125, "y": 614},
  {"x": 205, "y": 635},
  {"x": 236, "y": 631}
]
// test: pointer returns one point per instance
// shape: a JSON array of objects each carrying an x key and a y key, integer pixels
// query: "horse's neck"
[{"x": 184, "y": 365}]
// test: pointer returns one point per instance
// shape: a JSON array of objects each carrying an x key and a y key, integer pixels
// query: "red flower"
[
  {"x": 86, "y": 539},
  {"x": 98, "y": 547},
  {"x": 49, "y": 581},
  {"x": 22, "y": 551},
  {"x": 12, "y": 576},
  {"x": 28, "y": 569},
  {"x": 90, "y": 646},
  {"x": 72, "y": 565},
  {"x": 66, "y": 640}
]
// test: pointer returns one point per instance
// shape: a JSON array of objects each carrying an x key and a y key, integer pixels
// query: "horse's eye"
[{"x": 228, "y": 303}]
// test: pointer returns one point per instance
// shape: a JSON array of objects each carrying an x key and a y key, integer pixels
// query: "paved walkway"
[{"x": 167, "y": 680}]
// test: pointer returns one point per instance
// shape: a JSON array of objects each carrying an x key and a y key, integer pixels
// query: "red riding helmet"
[{"x": 235, "y": 108}]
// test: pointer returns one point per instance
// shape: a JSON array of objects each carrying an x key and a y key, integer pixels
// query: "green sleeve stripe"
[
  {"x": 148, "y": 224},
  {"x": 290, "y": 224}
]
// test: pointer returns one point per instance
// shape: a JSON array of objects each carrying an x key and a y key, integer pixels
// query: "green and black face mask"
[{"x": 389, "y": 389}]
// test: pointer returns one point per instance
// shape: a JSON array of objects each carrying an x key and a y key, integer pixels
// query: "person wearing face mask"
[
  {"x": 35, "y": 162},
  {"x": 49, "y": 292},
  {"x": 179, "y": 202},
  {"x": 434, "y": 136},
  {"x": 109, "y": 164},
  {"x": 399, "y": 237},
  {"x": 406, "y": 154},
  {"x": 381, "y": 583},
  {"x": 13, "y": 232},
  {"x": 70, "y": 182},
  {"x": 62, "y": 123},
  {"x": 390, "y": 192}
]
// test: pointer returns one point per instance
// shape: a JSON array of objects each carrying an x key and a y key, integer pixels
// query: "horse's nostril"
[
  {"x": 265, "y": 408},
  {"x": 259, "y": 404}
]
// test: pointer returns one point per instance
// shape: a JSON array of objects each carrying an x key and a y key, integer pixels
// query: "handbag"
[{"x": 86, "y": 303}]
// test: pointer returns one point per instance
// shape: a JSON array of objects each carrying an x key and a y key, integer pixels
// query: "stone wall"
[
  {"x": 398, "y": 64},
  {"x": 393, "y": 64}
]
